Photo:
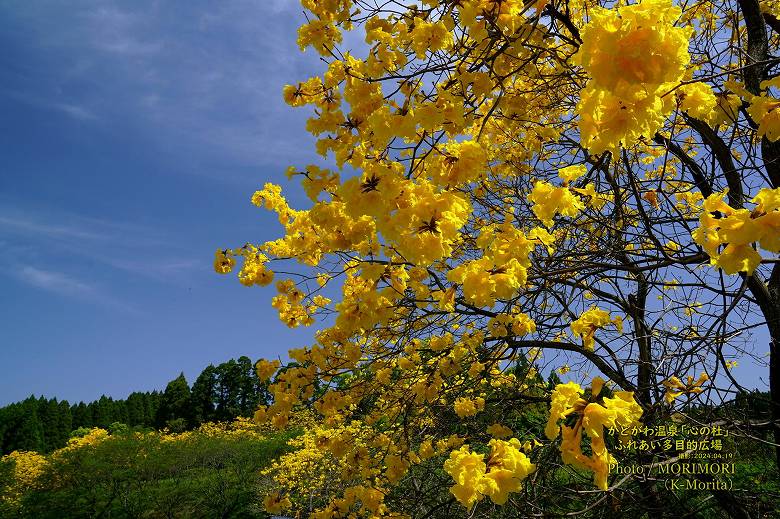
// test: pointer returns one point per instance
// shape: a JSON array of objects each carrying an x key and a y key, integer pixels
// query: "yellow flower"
[
  {"x": 465, "y": 407},
  {"x": 223, "y": 263},
  {"x": 499, "y": 431},
  {"x": 571, "y": 173},
  {"x": 549, "y": 201},
  {"x": 275, "y": 503},
  {"x": 630, "y": 53},
  {"x": 508, "y": 468},
  {"x": 265, "y": 369},
  {"x": 28, "y": 466},
  {"x": 562, "y": 404},
  {"x": 675, "y": 387},
  {"x": 765, "y": 110},
  {"x": 699, "y": 101},
  {"x": 592, "y": 418},
  {"x": 591, "y": 320},
  {"x": 736, "y": 230},
  {"x": 467, "y": 469},
  {"x": 445, "y": 298}
]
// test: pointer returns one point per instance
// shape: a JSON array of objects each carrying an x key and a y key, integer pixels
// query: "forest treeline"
[{"x": 220, "y": 393}]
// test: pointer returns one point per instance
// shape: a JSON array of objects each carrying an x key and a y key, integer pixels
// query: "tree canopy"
[{"x": 589, "y": 186}]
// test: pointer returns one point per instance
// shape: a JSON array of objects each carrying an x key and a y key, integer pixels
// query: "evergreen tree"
[
  {"x": 251, "y": 390},
  {"x": 204, "y": 395},
  {"x": 48, "y": 411},
  {"x": 175, "y": 403},
  {"x": 151, "y": 407},
  {"x": 228, "y": 376},
  {"x": 29, "y": 436},
  {"x": 82, "y": 416},
  {"x": 135, "y": 409},
  {"x": 64, "y": 424},
  {"x": 103, "y": 412}
]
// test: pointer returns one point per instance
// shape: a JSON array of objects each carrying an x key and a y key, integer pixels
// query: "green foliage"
[{"x": 197, "y": 474}]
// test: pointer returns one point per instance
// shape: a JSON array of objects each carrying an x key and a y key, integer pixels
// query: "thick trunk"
[{"x": 767, "y": 294}]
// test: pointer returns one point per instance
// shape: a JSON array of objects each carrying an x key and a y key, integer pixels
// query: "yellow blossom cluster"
[
  {"x": 762, "y": 108},
  {"x": 94, "y": 436},
  {"x": 516, "y": 324},
  {"x": 698, "y": 100},
  {"x": 289, "y": 304},
  {"x": 462, "y": 162},
  {"x": 585, "y": 325},
  {"x": 465, "y": 407},
  {"x": 728, "y": 235},
  {"x": 770, "y": 7},
  {"x": 549, "y": 200},
  {"x": 239, "y": 428},
  {"x": 223, "y": 263},
  {"x": 499, "y": 431},
  {"x": 419, "y": 221},
  {"x": 502, "y": 270},
  {"x": 324, "y": 31},
  {"x": 27, "y": 468},
  {"x": 265, "y": 369},
  {"x": 633, "y": 55},
  {"x": 593, "y": 416},
  {"x": 323, "y": 455},
  {"x": 675, "y": 387},
  {"x": 504, "y": 472}
]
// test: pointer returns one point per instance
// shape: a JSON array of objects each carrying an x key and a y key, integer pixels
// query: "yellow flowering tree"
[{"x": 511, "y": 187}]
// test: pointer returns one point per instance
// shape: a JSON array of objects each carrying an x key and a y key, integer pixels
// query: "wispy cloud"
[
  {"x": 70, "y": 287},
  {"x": 74, "y": 110},
  {"x": 208, "y": 82},
  {"x": 121, "y": 32},
  {"x": 77, "y": 112},
  {"x": 128, "y": 247},
  {"x": 25, "y": 225},
  {"x": 56, "y": 282},
  {"x": 166, "y": 270},
  {"x": 34, "y": 220}
]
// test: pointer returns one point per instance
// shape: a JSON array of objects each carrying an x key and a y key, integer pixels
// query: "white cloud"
[
  {"x": 128, "y": 247},
  {"x": 76, "y": 111},
  {"x": 121, "y": 32},
  {"x": 56, "y": 282},
  {"x": 20, "y": 224},
  {"x": 70, "y": 287}
]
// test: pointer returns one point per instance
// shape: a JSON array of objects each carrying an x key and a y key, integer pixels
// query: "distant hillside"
[{"x": 220, "y": 393}]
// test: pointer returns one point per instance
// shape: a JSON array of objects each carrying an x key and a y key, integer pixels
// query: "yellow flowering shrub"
[
  {"x": 27, "y": 468},
  {"x": 94, "y": 436}
]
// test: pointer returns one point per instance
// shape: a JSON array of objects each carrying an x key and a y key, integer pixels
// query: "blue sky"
[{"x": 133, "y": 135}]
